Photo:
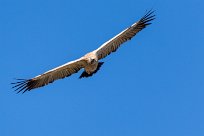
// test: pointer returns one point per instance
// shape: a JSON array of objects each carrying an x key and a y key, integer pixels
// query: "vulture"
[{"x": 89, "y": 62}]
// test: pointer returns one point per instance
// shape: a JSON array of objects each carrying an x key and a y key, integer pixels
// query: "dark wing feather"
[{"x": 113, "y": 44}]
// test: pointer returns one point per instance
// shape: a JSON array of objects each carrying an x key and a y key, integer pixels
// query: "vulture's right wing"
[{"x": 50, "y": 76}]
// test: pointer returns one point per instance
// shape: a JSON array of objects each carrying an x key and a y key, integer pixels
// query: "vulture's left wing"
[
  {"x": 113, "y": 44},
  {"x": 50, "y": 76}
]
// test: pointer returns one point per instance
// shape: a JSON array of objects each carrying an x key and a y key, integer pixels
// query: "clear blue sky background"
[{"x": 152, "y": 86}]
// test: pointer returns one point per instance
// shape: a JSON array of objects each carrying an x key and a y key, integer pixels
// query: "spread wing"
[
  {"x": 113, "y": 44},
  {"x": 50, "y": 76}
]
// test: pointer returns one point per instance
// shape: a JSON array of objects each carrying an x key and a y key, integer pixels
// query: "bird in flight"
[{"x": 89, "y": 62}]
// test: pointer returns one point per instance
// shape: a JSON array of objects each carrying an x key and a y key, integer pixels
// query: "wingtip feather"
[{"x": 22, "y": 86}]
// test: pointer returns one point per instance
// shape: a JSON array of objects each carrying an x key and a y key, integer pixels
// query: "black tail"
[{"x": 84, "y": 74}]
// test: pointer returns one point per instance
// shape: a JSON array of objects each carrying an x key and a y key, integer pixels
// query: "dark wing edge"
[
  {"x": 146, "y": 20},
  {"x": 113, "y": 44},
  {"x": 23, "y": 85}
]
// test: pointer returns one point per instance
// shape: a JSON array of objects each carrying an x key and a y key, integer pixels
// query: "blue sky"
[{"x": 153, "y": 85}]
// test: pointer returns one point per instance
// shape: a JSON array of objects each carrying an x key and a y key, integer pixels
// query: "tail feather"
[{"x": 84, "y": 74}]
